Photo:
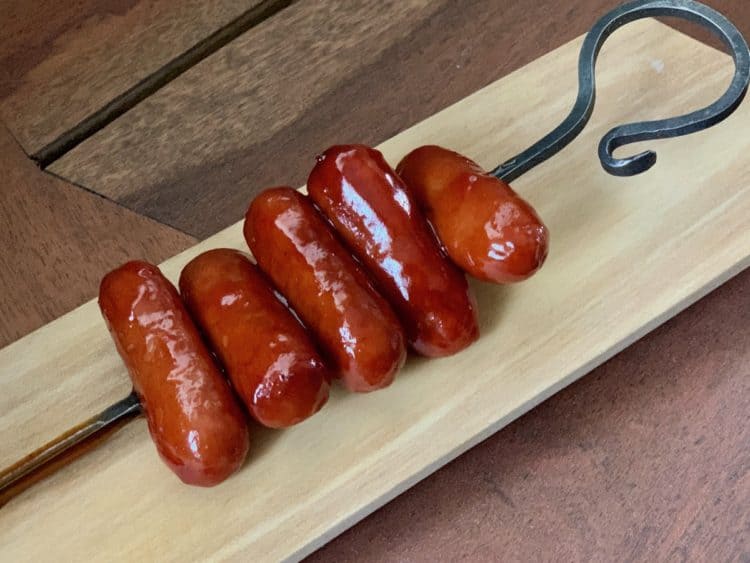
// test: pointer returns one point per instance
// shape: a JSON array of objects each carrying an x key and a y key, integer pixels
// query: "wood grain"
[
  {"x": 58, "y": 240},
  {"x": 647, "y": 458},
  {"x": 617, "y": 269},
  {"x": 61, "y": 61},
  {"x": 255, "y": 113}
]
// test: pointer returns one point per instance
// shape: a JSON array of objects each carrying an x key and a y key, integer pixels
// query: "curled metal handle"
[{"x": 569, "y": 129}]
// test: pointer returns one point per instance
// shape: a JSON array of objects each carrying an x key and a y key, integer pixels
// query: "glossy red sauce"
[
  {"x": 193, "y": 416},
  {"x": 269, "y": 357},
  {"x": 372, "y": 210},
  {"x": 355, "y": 326},
  {"x": 486, "y": 228}
]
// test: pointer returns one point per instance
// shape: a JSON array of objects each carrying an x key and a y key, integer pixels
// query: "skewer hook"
[{"x": 563, "y": 134}]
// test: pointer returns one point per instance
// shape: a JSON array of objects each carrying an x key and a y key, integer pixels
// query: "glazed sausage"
[
  {"x": 485, "y": 227},
  {"x": 267, "y": 353},
  {"x": 194, "y": 418},
  {"x": 371, "y": 209},
  {"x": 356, "y": 328}
]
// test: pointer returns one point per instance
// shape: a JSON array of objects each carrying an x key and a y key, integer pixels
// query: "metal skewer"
[
  {"x": 79, "y": 439},
  {"x": 66, "y": 447}
]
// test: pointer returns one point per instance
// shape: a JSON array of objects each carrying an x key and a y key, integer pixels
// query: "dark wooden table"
[{"x": 646, "y": 458}]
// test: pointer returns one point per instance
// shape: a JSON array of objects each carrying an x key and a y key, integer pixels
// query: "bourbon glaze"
[
  {"x": 268, "y": 355},
  {"x": 378, "y": 219},
  {"x": 354, "y": 325},
  {"x": 485, "y": 227},
  {"x": 193, "y": 416}
]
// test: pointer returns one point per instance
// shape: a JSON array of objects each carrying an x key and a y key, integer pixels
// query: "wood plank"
[
  {"x": 61, "y": 61},
  {"x": 59, "y": 240},
  {"x": 256, "y": 112},
  {"x": 617, "y": 270},
  {"x": 644, "y": 459}
]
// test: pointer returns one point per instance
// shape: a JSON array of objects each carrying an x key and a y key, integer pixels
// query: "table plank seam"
[
  {"x": 155, "y": 81},
  {"x": 86, "y": 189},
  {"x": 113, "y": 201}
]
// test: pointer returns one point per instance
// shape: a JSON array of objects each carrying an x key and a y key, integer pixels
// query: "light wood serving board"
[{"x": 626, "y": 255}]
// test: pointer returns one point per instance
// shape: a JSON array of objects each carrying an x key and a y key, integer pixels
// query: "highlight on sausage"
[
  {"x": 269, "y": 357},
  {"x": 359, "y": 333},
  {"x": 373, "y": 212},
  {"x": 193, "y": 416},
  {"x": 486, "y": 228}
]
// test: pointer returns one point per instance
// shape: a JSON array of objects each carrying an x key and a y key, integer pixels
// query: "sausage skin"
[
  {"x": 485, "y": 227},
  {"x": 266, "y": 352},
  {"x": 194, "y": 418},
  {"x": 297, "y": 249},
  {"x": 376, "y": 216}
]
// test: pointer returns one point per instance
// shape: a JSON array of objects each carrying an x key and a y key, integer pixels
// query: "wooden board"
[
  {"x": 644, "y": 459},
  {"x": 61, "y": 61},
  {"x": 58, "y": 240},
  {"x": 627, "y": 254}
]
